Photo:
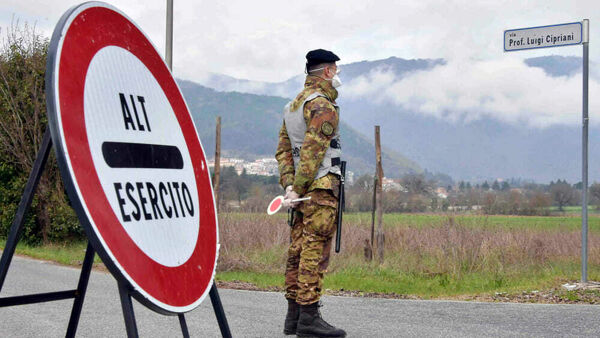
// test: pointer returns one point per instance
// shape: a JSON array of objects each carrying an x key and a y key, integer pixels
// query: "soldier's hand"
[
  {"x": 287, "y": 201},
  {"x": 288, "y": 189}
]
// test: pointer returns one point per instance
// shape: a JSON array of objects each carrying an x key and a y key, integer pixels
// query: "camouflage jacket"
[{"x": 317, "y": 112}]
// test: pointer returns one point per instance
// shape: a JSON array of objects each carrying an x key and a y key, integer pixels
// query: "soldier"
[{"x": 309, "y": 165}]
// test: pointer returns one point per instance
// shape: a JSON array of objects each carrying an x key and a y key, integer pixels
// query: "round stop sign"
[{"x": 131, "y": 158}]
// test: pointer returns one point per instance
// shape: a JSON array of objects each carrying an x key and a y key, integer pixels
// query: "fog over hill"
[
  {"x": 251, "y": 123},
  {"x": 473, "y": 120}
]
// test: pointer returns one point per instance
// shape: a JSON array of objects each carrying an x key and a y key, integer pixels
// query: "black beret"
[{"x": 317, "y": 56}]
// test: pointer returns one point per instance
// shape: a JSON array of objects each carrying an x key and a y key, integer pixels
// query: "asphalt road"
[{"x": 260, "y": 314}]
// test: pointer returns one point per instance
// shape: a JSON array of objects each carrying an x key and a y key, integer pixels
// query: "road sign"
[
  {"x": 543, "y": 36},
  {"x": 277, "y": 203},
  {"x": 555, "y": 36},
  {"x": 131, "y": 158}
]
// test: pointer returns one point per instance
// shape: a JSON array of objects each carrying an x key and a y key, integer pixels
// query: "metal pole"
[
  {"x": 584, "y": 200},
  {"x": 128, "y": 315},
  {"x": 219, "y": 312},
  {"x": 86, "y": 269},
  {"x": 169, "y": 46},
  {"x": 184, "y": 327},
  {"x": 18, "y": 222}
]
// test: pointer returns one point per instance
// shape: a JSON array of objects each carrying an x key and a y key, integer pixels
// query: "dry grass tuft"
[{"x": 255, "y": 242}]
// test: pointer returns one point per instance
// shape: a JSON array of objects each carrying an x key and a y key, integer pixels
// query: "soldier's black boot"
[
  {"x": 310, "y": 324},
  {"x": 291, "y": 319}
]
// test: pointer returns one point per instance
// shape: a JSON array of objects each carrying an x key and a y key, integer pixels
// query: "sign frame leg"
[
  {"x": 16, "y": 228},
  {"x": 15, "y": 235},
  {"x": 84, "y": 278},
  {"x": 184, "y": 328},
  {"x": 128, "y": 314},
  {"x": 219, "y": 311}
]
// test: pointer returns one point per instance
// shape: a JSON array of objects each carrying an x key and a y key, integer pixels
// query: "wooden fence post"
[
  {"x": 379, "y": 193},
  {"x": 373, "y": 209},
  {"x": 217, "y": 168}
]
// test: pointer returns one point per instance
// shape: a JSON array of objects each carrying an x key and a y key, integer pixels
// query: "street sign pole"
[
  {"x": 565, "y": 34},
  {"x": 169, "y": 40},
  {"x": 584, "y": 166}
]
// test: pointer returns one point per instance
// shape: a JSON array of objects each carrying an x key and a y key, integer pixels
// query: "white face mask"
[{"x": 336, "y": 81}]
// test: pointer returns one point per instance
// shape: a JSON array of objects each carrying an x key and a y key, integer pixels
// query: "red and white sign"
[
  {"x": 275, "y": 205},
  {"x": 131, "y": 158}
]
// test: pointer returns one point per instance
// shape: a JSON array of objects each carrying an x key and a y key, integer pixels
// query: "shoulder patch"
[{"x": 326, "y": 128}]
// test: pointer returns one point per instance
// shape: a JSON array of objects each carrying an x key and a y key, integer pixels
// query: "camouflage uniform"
[{"x": 315, "y": 220}]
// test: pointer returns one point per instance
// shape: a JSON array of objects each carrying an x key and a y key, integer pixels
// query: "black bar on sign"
[{"x": 141, "y": 155}]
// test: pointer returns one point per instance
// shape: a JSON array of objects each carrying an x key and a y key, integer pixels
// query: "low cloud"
[{"x": 465, "y": 90}]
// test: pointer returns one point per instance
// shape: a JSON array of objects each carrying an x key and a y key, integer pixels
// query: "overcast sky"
[{"x": 267, "y": 40}]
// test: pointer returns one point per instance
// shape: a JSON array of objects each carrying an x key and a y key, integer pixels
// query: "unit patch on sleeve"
[{"x": 326, "y": 129}]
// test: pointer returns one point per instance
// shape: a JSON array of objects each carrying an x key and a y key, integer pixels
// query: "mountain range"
[
  {"x": 481, "y": 149},
  {"x": 250, "y": 126}
]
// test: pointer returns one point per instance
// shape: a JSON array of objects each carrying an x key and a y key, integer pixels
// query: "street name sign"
[
  {"x": 543, "y": 37},
  {"x": 131, "y": 159},
  {"x": 565, "y": 34}
]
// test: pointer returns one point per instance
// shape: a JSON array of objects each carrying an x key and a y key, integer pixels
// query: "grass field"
[
  {"x": 426, "y": 255},
  {"x": 568, "y": 222}
]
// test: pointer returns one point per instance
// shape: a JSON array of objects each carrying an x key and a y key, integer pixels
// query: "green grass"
[
  {"x": 558, "y": 222},
  {"x": 70, "y": 253},
  {"x": 260, "y": 279},
  {"x": 398, "y": 275},
  {"x": 574, "y": 210},
  {"x": 389, "y": 280},
  {"x": 480, "y": 221}
]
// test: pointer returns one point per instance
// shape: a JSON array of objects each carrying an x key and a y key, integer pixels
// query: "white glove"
[
  {"x": 287, "y": 200},
  {"x": 288, "y": 189}
]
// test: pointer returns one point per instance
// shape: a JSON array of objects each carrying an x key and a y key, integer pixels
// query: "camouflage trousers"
[{"x": 310, "y": 248}]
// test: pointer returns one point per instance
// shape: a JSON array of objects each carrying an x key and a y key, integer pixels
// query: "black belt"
[{"x": 335, "y": 161}]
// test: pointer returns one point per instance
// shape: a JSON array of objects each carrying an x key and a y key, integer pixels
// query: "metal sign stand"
[
  {"x": 79, "y": 293},
  {"x": 584, "y": 147},
  {"x": 15, "y": 234},
  {"x": 131, "y": 326}
]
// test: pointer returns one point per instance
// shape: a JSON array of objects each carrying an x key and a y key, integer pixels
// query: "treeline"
[
  {"x": 415, "y": 193},
  {"x": 22, "y": 124},
  {"x": 246, "y": 193}
]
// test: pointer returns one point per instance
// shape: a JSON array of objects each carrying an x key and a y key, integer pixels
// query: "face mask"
[{"x": 335, "y": 81}]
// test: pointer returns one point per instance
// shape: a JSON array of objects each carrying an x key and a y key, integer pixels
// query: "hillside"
[
  {"x": 477, "y": 149},
  {"x": 250, "y": 125}
]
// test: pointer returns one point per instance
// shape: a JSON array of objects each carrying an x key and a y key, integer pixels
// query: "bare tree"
[
  {"x": 562, "y": 194},
  {"x": 416, "y": 184},
  {"x": 595, "y": 192}
]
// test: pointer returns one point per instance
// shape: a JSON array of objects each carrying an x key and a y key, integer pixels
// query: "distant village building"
[
  {"x": 390, "y": 184},
  {"x": 441, "y": 192},
  {"x": 262, "y": 166}
]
